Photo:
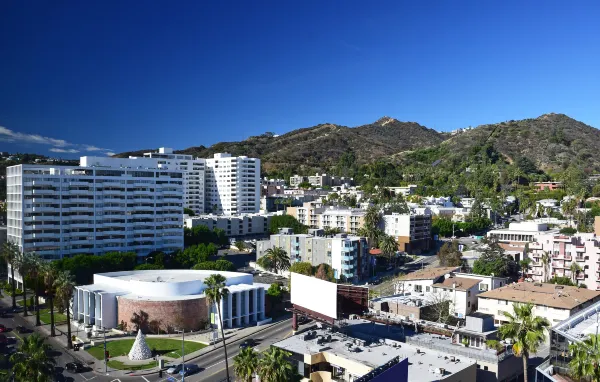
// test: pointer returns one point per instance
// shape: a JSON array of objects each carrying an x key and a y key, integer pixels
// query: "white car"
[{"x": 174, "y": 369}]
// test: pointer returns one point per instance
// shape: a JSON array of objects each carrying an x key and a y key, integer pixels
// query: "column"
[
  {"x": 229, "y": 311},
  {"x": 238, "y": 304},
  {"x": 261, "y": 292},
  {"x": 247, "y": 306},
  {"x": 254, "y": 304}
]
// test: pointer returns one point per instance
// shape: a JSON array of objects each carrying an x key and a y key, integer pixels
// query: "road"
[{"x": 212, "y": 364}]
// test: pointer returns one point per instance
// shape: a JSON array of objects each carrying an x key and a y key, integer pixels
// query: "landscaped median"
[{"x": 165, "y": 347}]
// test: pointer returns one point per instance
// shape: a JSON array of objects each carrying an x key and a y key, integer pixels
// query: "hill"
[{"x": 319, "y": 148}]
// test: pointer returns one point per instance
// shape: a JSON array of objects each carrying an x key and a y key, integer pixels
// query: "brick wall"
[{"x": 193, "y": 312}]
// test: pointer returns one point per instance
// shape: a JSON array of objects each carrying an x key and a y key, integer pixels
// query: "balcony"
[{"x": 579, "y": 258}]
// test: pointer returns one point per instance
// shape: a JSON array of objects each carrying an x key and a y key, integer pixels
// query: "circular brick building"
[{"x": 170, "y": 298}]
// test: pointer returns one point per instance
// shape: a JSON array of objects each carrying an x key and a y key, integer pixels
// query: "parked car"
[
  {"x": 75, "y": 367},
  {"x": 174, "y": 369},
  {"x": 22, "y": 329},
  {"x": 2, "y": 328},
  {"x": 3, "y": 339},
  {"x": 303, "y": 320},
  {"x": 189, "y": 370},
  {"x": 247, "y": 343}
]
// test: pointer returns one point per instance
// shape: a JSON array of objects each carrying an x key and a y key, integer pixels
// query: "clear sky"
[{"x": 93, "y": 77}]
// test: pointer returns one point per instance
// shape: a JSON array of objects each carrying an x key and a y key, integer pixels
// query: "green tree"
[
  {"x": 274, "y": 366},
  {"x": 449, "y": 254},
  {"x": 215, "y": 292},
  {"x": 240, "y": 245},
  {"x": 49, "y": 276},
  {"x": 305, "y": 185},
  {"x": 568, "y": 231},
  {"x": 302, "y": 267},
  {"x": 575, "y": 269},
  {"x": 524, "y": 264},
  {"x": 286, "y": 221},
  {"x": 325, "y": 272},
  {"x": 10, "y": 254},
  {"x": 585, "y": 358},
  {"x": 275, "y": 259},
  {"x": 64, "y": 285},
  {"x": 388, "y": 246},
  {"x": 495, "y": 261},
  {"x": 560, "y": 280},
  {"x": 22, "y": 264},
  {"x": 526, "y": 330},
  {"x": 189, "y": 211},
  {"x": 245, "y": 364},
  {"x": 35, "y": 267},
  {"x": 148, "y": 267},
  {"x": 32, "y": 362}
]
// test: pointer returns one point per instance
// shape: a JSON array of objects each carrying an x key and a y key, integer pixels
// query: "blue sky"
[{"x": 90, "y": 78}]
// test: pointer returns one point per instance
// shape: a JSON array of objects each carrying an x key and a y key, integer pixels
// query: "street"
[{"x": 212, "y": 364}]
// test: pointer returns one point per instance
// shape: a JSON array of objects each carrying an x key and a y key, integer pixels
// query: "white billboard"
[{"x": 314, "y": 294}]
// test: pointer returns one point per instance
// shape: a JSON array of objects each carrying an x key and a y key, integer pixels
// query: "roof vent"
[
  {"x": 559, "y": 287},
  {"x": 537, "y": 284}
]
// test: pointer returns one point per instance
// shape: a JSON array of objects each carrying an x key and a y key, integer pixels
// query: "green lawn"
[
  {"x": 164, "y": 346},
  {"x": 122, "y": 366},
  {"x": 58, "y": 317}
]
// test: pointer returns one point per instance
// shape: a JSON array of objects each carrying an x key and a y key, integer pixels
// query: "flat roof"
[
  {"x": 167, "y": 275},
  {"x": 580, "y": 325},
  {"x": 555, "y": 296},
  {"x": 458, "y": 283},
  {"x": 428, "y": 273}
]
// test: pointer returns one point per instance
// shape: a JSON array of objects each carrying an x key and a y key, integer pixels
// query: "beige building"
[
  {"x": 556, "y": 303},
  {"x": 348, "y": 220}
]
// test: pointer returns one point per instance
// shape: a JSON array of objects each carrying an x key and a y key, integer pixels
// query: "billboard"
[{"x": 314, "y": 294}]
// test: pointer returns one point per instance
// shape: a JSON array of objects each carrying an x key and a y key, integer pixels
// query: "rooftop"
[
  {"x": 429, "y": 273},
  {"x": 555, "y": 296},
  {"x": 579, "y": 325},
  {"x": 458, "y": 283}
]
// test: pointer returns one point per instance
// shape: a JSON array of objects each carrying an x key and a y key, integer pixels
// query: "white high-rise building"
[
  {"x": 193, "y": 175},
  {"x": 232, "y": 184},
  {"x": 104, "y": 205}
]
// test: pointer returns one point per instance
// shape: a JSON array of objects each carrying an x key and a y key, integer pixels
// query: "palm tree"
[
  {"x": 546, "y": 263},
  {"x": 22, "y": 264},
  {"x": 10, "y": 252},
  {"x": 274, "y": 367},
  {"x": 49, "y": 274},
  {"x": 64, "y": 285},
  {"x": 275, "y": 259},
  {"x": 32, "y": 362},
  {"x": 35, "y": 266},
  {"x": 525, "y": 266},
  {"x": 245, "y": 364},
  {"x": 526, "y": 330},
  {"x": 388, "y": 246},
  {"x": 585, "y": 357},
  {"x": 575, "y": 269},
  {"x": 215, "y": 292}
]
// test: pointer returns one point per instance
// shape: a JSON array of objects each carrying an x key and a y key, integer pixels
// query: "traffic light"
[{"x": 106, "y": 354}]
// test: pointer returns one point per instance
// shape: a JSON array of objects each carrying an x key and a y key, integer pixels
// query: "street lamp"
[{"x": 182, "y": 354}]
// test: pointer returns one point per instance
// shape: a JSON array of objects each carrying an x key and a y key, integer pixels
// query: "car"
[
  {"x": 303, "y": 320},
  {"x": 189, "y": 369},
  {"x": 22, "y": 329},
  {"x": 75, "y": 367},
  {"x": 174, "y": 369},
  {"x": 2, "y": 328},
  {"x": 248, "y": 343}
]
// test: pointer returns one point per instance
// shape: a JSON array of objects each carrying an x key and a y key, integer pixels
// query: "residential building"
[
  {"x": 236, "y": 226},
  {"x": 406, "y": 306},
  {"x": 104, "y": 205},
  {"x": 348, "y": 220},
  {"x": 193, "y": 175},
  {"x": 422, "y": 281},
  {"x": 556, "y": 303},
  {"x": 168, "y": 296},
  {"x": 352, "y": 355},
  {"x": 521, "y": 233},
  {"x": 404, "y": 191},
  {"x": 347, "y": 255},
  {"x": 412, "y": 232},
  {"x": 572, "y": 330},
  {"x": 321, "y": 180},
  {"x": 269, "y": 187},
  {"x": 547, "y": 186},
  {"x": 232, "y": 184}
]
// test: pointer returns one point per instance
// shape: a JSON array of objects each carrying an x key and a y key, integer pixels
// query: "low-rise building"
[
  {"x": 236, "y": 226},
  {"x": 321, "y": 180},
  {"x": 556, "y": 303},
  {"x": 314, "y": 215},
  {"x": 521, "y": 233},
  {"x": 547, "y": 186},
  {"x": 412, "y": 232}
]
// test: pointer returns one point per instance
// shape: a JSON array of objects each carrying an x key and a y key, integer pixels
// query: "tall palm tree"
[
  {"x": 274, "y": 367},
  {"x": 275, "y": 259},
  {"x": 388, "y": 246},
  {"x": 64, "y": 285},
  {"x": 546, "y": 264},
  {"x": 526, "y": 330},
  {"x": 371, "y": 221},
  {"x": 10, "y": 252},
  {"x": 245, "y": 364},
  {"x": 215, "y": 292},
  {"x": 585, "y": 357},
  {"x": 22, "y": 264},
  {"x": 49, "y": 274},
  {"x": 575, "y": 269},
  {"x": 35, "y": 266},
  {"x": 32, "y": 362}
]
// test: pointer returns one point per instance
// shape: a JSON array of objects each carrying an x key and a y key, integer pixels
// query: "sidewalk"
[{"x": 60, "y": 341}]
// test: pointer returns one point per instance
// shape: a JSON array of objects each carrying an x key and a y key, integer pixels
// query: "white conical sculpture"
[{"x": 140, "y": 349}]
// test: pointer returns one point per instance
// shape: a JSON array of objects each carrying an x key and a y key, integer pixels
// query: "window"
[
  {"x": 469, "y": 293},
  {"x": 418, "y": 288},
  {"x": 469, "y": 304},
  {"x": 427, "y": 289},
  {"x": 485, "y": 368}
]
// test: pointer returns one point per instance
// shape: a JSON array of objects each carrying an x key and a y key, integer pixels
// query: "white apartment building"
[
  {"x": 311, "y": 214},
  {"x": 104, "y": 205},
  {"x": 412, "y": 232},
  {"x": 556, "y": 303},
  {"x": 232, "y": 184},
  {"x": 582, "y": 249},
  {"x": 193, "y": 175},
  {"x": 238, "y": 226}
]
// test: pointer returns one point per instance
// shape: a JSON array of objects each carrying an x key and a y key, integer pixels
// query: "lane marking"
[{"x": 144, "y": 378}]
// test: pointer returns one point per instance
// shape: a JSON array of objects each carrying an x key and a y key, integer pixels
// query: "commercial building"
[
  {"x": 104, "y": 205},
  {"x": 364, "y": 351},
  {"x": 348, "y": 220},
  {"x": 193, "y": 175},
  {"x": 236, "y": 226},
  {"x": 412, "y": 232},
  {"x": 575, "y": 329},
  {"x": 347, "y": 255},
  {"x": 170, "y": 297},
  {"x": 556, "y": 303},
  {"x": 232, "y": 184}
]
